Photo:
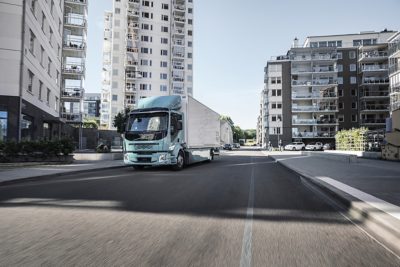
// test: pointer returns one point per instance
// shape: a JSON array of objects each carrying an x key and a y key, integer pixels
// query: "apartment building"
[
  {"x": 147, "y": 51},
  {"x": 30, "y": 61},
  {"x": 394, "y": 71},
  {"x": 73, "y": 61},
  {"x": 335, "y": 82}
]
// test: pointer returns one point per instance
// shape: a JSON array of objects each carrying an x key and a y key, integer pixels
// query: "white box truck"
[{"x": 169, "y": 130}]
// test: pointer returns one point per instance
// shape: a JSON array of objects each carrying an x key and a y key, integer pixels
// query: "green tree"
[
  {"x": 250, "y": 134},
  {"x": 120, "y": 120},
  {"x": 90, "y": 124}
]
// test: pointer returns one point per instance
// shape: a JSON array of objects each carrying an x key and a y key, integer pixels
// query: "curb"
[
  {"x": 383, "y": 230},
  {"x": 60, "y": 174}
]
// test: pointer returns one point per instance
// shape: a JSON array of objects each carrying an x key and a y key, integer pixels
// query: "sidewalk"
[
  {"x": 368, "y": 188},
  {"x": 13, "y": 172}
]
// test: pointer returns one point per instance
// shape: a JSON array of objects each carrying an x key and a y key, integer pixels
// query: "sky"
[{"x": 233, "y": 39}]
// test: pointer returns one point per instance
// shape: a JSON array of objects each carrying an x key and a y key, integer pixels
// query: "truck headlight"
[{"x": 162, "y": 157}]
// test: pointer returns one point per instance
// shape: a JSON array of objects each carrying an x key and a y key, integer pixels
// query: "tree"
[
  {"x": 90, "y": 124},
  {"x": 120, "y": 120},
  {"x": 250, "y": 134}
]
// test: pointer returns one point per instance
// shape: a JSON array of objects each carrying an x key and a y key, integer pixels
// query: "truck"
[{"x": 170, "y": 131}]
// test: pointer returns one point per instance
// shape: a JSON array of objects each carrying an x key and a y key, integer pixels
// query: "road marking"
[
  {"x": 378, "y": 203},
  {"x": 245, "y": 259}
]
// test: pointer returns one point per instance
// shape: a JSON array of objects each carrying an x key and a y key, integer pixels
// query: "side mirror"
[{"x": 179, "y": 125}]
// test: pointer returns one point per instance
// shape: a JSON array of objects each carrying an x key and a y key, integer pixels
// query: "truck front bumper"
[{"x": 153, "y": 159}]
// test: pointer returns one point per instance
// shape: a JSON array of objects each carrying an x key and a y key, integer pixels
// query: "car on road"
[
  {"x": 227, "y": 147},
  {"x": 236, "y": 145},
  {"x": 315, "y": 146},
  {"x": 329, "y": 146},
  {"x": 295, "y": 146}
]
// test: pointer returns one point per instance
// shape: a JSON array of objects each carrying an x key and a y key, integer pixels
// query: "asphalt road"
[{"x": 240, "y": 210}]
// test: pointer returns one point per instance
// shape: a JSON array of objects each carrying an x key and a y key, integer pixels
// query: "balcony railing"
[
  {"x": 304, "y": 121},
  {"x": 72, "y": 92},
  {"x": 375, "y": 94},
  {"x": 375, "y": 80},
  {"x": 178, "y": 79},
  {"x": 313, "y": 134},
  {"x": 314, "y": 82},
  {"x": 373, "y": 55},
  {"x": 74, "y": 68},
  {"x": 394, "y": 47},
  {"x": 315, "y": 57},
  {"x": 133, "y": 13},
  {"x": 374, "y": 107},
  {"x": 74, "y": 43},
  {"x": 132, "y": 49},
  {"x": 394, "y": 68},
  {"x": 178, "y": 67},
  {"x": 180, "y": 31},
  {"x": 75, "y": 20},
  {"x": 395, "y": 106},
  {"x": 133, "y": 75},
  {"x": 72, "y": 117},
  {"x": 383, "y": 67},
  {"x": 373, "y": 121},
  {"x": 179, "y": 55}
]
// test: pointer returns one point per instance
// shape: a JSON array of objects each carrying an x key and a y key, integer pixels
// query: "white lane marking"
[
  {"x": 245, "y": 259},
  {"x": 378, "y": 203}
]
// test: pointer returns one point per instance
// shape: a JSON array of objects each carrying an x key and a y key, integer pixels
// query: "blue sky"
[{"x": 233, "y": 39}]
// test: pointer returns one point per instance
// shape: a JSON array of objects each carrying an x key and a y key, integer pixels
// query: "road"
[{"x": 240, "y": 210}]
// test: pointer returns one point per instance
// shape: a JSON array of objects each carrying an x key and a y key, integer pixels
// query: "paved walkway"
[{"x": 10, "y": 172}]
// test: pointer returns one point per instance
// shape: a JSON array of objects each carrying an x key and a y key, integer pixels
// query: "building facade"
[
  {"x": 91, "y": 106},
  {"x": 394, "y": 72},
  {"x": 31, "y": 60},
  {"x": 335, "y": 82},
  {"x": 147, "y": 51}
]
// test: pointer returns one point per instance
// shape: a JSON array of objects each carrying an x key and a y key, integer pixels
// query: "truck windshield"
[{"x": 150, "y": 126}]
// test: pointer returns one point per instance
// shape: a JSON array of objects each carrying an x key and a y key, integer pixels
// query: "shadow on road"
[{"x": 219, "y": 189}]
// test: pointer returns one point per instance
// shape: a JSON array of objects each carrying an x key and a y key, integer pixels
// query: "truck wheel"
[{"x": 180, "y": 162}]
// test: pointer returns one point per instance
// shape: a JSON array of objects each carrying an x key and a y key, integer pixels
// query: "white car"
[
  {"x": 315, "y": 146},
  {"x": 295, "y": 146}
]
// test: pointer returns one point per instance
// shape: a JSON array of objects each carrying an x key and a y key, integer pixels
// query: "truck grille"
[{"x": 145, "y": 160}]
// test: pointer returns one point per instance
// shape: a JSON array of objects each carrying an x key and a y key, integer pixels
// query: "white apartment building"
[
  {"x": 147, "y": 51},
  {"x": 73, "y": 60},
  {"x": 30, "y": 61},
  {"x": 394, "y": 71}
]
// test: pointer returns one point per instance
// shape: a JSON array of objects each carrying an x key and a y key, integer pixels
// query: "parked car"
[
  {"x": 329, "y": 146},
  {"x": 295, "y": 146},
  {"x": 236, "y": 145},
  {"x": 227, "y": 147},
  {"x": 315, "y": 146}
]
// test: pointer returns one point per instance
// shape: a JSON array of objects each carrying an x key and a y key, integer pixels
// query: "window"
[
  {"x": 146, "y": 50},
  {"x": 190, "y": 67},
  {"x": 164, "y": 40},
  {"x": 48, "y": 96},
  {"x": 353, "y": 80},
  {"x": 354, "y": 105},
  {"x": 41, "y": 56},
  {"x": 145, "y": 26},
  {"x": 49, "y": 66},
  {"x": 353, "y": 118},
  {"x": 340, "y": 92},
  {"x": 52, "y": 7},
  {"x": 164, "y": 6},
  {"x": 115, "y": 59},
  {"x": 164, "y": 29},
  {"x": 190, "y": 10},
  {"x": 341, "y": 118},
  {"x": 353, "y": 67},
  {"x": 276, "y": 80},
  {"x": 114, "y": 97},
  {"x": 190, "y": 43},
  {"x": 55, "y": 103},
  {"x": 117, "y": 11},
  {"x": 190, "y": 32},
  {"x": 57, "y": 77},
  {"x": 40, "y": 90},
  {"x": 164, "y": 17},
  {"x": 30, "y": 80},
  {"x": 43, "y": 21},
  {"x": 352, "y": 54},
  {"x": 51, "y": 37},
  {"x": 146, "y": 3},
  {"x": 163, "y": 64},
  {"x": 339, "y": 67},
  {"x": 357, "y": 42},
  {"x": 190, "y": 21},
  {"x": 354, "y": 92},
  {"x": 3, "y": 124},
  {"x": 341, "y": 106},
  {"x": 164, "y": 52},
  {"x": 190, "y": 55},
  {"x": 33, "y": 7},
  {"x": 339, "y": 55},
  {"x": 163, "y": 76},
  {"x": 117, "y": 23},
  {"x": 163, "y": 88},
  {"x": 32, "y": 39},
  {"x": 340, "y": 80},
  {"x": 115, "y": 72},
  {"x": 145, "y": 38},
  {"x": 146, "y": 15}
]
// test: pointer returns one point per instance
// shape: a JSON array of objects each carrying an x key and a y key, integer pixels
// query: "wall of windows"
[{"x": 3, "y": 125}]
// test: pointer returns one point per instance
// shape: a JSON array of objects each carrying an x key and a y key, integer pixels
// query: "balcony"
[
  {"x": 133, "y": 13},
  {"x": 304, "y": 108},
  {"x": 130, "y": 87},
  {"x": 72, "y": 93},
  {"x": 373, "y": 121},
  {"x": 394, "y": 48},
  {"x": 179, "y": 18},
  {"x": 375, "y": 107},
  {"x": 313, "y": 134},
  {"x": 178, "y": 79},
  {"x": 75, "y": 20},
  {"x": 179, "y": 31},
  {"x": 178, "y": 55},
  {"x": 131, "y": 63},
  {"x": 316, "y": 82},
  {"x": 375, "y": 94},
  {"x": 375, "y": 81},
  {"x": 134, "y": 50},
  {"x": 133, "y": 75},
  {"x": 133, "y": 25},
  {"x": 74, "y": 68},
  {"x": 79, "y": 2},
  {"x": 372, "y": 56},
  {"x": 74, "y": 43},
  {"x": 134, "y": 3},
  {"x": 180, "y": 8},
  {"x": 71, "y": 117},
  {"x": 394, "y": 68},
  {"x": 178, "y": 66},
  {"x": 374, "y": 68},
  {"x": 304, "y": 122}
]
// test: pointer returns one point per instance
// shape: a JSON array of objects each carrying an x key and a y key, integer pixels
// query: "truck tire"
[{"x": 180, "y": 162}]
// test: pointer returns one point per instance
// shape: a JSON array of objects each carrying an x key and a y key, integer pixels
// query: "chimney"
[{"x": 295, "y": 43}]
